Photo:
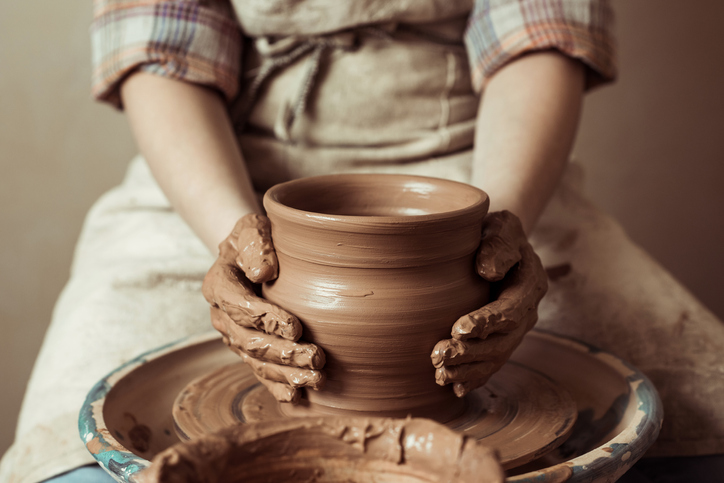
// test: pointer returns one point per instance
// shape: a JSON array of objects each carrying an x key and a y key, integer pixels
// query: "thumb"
[
  {"x": 256, "y": 255},
  {"x": 500, "y": 247}
]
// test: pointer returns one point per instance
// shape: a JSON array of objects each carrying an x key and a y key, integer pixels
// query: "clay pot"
[{"x": 377, "y": 268}]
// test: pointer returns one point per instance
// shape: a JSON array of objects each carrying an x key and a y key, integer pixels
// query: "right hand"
[{"x": 263, "y": 334}]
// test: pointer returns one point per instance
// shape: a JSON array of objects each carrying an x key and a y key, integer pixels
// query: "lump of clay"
[{"x": 362, "y": 450}]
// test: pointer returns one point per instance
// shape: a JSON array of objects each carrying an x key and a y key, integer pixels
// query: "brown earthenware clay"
[
  {"x": 360, "y": 450},
  {"x": 377, "y": 268},
  {"x": 520, "y": 412}
]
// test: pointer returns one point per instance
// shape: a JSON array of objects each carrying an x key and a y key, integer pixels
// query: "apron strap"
[{"x": 279, "y": 54}]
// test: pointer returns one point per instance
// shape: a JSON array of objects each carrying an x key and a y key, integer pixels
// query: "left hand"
[
  {"x": 483, "y": 340},
  {"x": 264, "y": 335}
]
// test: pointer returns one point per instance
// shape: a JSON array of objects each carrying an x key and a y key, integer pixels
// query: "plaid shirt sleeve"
[
  {"x": 501, "y": 30},
  {"x": 197, "y": 41}
]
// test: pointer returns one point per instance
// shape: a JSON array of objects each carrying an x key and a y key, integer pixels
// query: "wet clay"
[
  {"x": 361, "y": 450},
  {"x": 520, "y": 412},
  {"x": 377, "y": 269},
  {"x": 491, "y": 333},
  {"x": 263, "y": 334},
  {"x": 619, "y": 412}
]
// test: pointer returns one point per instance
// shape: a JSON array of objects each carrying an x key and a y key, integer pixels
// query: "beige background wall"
[{"x": 652, "y": 146}]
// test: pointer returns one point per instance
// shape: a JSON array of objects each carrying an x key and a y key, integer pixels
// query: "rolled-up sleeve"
[
  {"x": 195, "y": 41},
  {"x": 501, "y": 30}
]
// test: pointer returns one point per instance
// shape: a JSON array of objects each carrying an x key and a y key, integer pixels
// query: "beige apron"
[
  {"x": 388, "y": 99},
  {"x": 393, "y": 98}
]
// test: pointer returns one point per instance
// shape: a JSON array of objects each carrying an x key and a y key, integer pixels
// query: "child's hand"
[
  {"x": 263, "y": 334},
  {"x": 482, "y": 341}
]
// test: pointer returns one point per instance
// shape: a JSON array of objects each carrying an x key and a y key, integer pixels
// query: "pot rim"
[{"x": 273, "y": 204}]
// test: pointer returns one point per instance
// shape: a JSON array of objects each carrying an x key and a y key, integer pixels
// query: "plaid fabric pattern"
[
  {"x": 197, "y": 41},
  {"x": 501, "y": 30}
]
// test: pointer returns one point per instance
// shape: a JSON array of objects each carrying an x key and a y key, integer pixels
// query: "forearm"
[
  {"x": 185, "y": 134},
  {"x": 526, "y": 125}
]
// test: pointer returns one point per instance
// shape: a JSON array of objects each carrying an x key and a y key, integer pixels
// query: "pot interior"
[{"x": 376, "y": 195}]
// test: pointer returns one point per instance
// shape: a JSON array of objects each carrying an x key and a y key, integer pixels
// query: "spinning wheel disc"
[{"x": 520, "y": 412}]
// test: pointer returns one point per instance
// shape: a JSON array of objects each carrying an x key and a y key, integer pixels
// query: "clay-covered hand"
[
  {"x": 263, "y": 334},
  {"x": 482, "y": 341}
]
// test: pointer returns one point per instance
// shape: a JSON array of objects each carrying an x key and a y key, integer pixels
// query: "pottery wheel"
[{"x": 520, "y": 411}]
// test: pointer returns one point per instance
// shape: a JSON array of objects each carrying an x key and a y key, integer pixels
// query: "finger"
[
  {"x": 281, "y": 392},
  {"x": 265, "y": 347},
  {"x": 219, "y": 279},
  {"x": 497, "y": 316},
  {"x": 521, "y": 292},
  {"x": 463, "y": 388},
  {"x": 500, "y": 246},
  {"x": 256, "y": 313},
  {"x": 476, "y": 371},
  {"x": 291, "y": 376},
  {"x": 256, "y": 255},
  {"x": 450, "y": 352},
  {"x": 225, "y": 287}
]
